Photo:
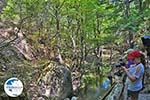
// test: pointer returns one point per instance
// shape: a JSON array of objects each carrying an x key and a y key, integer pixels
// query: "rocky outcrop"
[
  {"x": 16, "y": 39},
  {"x": 55, "y": 83},
  {"x": 13, "y": 63}
]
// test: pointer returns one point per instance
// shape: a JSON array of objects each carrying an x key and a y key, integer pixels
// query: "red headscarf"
[{"x": 134, "y": 54}]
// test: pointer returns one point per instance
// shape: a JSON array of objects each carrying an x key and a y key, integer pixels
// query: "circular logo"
[{"x": 13, "y": 87}]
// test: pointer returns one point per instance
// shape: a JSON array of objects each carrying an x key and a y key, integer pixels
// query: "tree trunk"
[
  {"x": 131, "y": 42},
  {"x": 127, "y": 8},
  {"x": 140, "y": 6}
]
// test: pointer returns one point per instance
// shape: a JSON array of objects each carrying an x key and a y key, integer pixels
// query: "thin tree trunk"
[
  {"x": 127, "y": 8},
  {"x": 131, "y": 42},
  {"x": 140, "y": 6},
  {"x": 97, "y": 23},
  {"x": 110, "y": 59}
]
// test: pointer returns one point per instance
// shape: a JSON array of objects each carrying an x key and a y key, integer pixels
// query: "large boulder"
[
  {"x": 12, "y": 61},
  {"x": 16, "y": 38},
  {"x": 55, "y": 83}
]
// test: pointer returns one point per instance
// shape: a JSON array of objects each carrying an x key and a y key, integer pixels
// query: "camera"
[
  {"x": 121, "y": 63},
  {"x": 118, "y": 66}
]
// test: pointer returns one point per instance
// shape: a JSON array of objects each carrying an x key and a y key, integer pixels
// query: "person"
[
  {"x": 129, "y": 62},
  {"x": 135, "y": 74}
]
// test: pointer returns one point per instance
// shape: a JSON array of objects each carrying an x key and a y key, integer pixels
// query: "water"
[{"x": 93, "y": 92}]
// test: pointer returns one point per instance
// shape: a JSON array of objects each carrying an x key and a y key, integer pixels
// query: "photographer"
[
  {"x": 135, "y": 74},
  {"x": 129, "y": 62}
]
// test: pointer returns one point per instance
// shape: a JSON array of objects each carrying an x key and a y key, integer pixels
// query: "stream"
[{"x": 95, "y": 92}]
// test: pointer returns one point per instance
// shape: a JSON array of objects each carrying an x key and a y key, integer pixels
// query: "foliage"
[{"x": 76, "y": 28}]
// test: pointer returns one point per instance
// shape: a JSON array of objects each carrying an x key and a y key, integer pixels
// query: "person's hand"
[{"x": 125, "y": 69}]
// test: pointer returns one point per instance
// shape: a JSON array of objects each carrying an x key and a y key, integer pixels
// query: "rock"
[
  {"x": 12, "y": 63},
  {"x": 74, "y": 98},
  {"x": 66, "y": 99},
  {"x": 19, "y": 42},
  {"x": 41, "y": 98},
  {"x": 58, "y": 82}
]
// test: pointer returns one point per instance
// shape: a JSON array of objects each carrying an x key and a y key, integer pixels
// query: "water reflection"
[{"x": 94, "y": 92}]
